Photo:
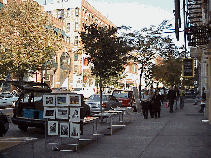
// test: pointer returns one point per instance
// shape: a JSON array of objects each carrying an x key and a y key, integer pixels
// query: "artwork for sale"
[
  {"x": 74, "y": 130},
  {"x": 49, "y": 113},
  {"x": 48, "y": 100},
  {"x": 74, "y": 100},
  {"x": 64, "y": 129},
  {"x": 61, "y": 100},
  {"x": 74, "y": 115},
  {"x": 62, "y": 113},
  {"x": 52, "y": 127}
]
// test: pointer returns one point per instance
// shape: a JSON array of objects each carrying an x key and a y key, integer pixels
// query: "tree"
[
  {"x": 106, "y": 51},
  {"x": 27, "y": 39}
]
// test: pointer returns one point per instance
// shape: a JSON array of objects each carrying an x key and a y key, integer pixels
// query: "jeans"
[
  {"x": 176, "y": 102},
  {"x": 171, "y": 103},
  {"x": 181, "y": 102}
]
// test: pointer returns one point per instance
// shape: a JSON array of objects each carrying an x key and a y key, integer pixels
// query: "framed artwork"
[
  {"x": 64, "y": 129},
  {"x": 49, "y": 113},
  {"x": 52, "y": 127},
  {"x": 74, "y": 115},
  {"x": 62, "y": 113},
  {"x": 61, "y": 100},
  {"x": 49, "y": 100},
  {"x": 74, "y": 130},
  {"x": 74, "y": 100}
]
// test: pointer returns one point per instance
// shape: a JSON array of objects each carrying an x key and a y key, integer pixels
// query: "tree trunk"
[{"x": 101, "y": 118}]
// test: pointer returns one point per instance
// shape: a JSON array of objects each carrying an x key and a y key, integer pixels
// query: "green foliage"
[
  {"x": 106, "y": 51},
  {"x": 27, "y": 38}
]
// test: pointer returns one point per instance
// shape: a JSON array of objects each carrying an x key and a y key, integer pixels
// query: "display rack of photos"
[{"x": 62, "y": 112}]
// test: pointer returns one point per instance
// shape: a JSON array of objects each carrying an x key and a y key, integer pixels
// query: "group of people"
[{"x": 151, "y": 101}]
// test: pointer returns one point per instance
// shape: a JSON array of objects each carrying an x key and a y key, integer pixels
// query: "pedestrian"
[
  {"x": 171, "y": 97},
  {"x": 156, "y": 104},
  {"x": 182, "y": 97},
  {"x": 177, "y": 97},
  {"x": 203, "y": 101},
  {"x": 151, "y": 112},
  {"x": 145, "y": 104}
]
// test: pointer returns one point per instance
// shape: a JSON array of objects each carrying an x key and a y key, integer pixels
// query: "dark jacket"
[
  {"x": 157, "y": 101},
  {"x": 171, "y": 95}
]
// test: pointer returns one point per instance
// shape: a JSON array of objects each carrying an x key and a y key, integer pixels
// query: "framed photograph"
[
  {"x": 74, "y": 100},
  {"x": 48, "y": 100},
  {"x": 52, "y": 127},
  {"x": 74, "y": 115},
  {"x": 61, "y": 100},
  {"x": 74, "y": 130},
  {"x": 64, "y": 129},
  {"x": 62, "y": 113},
  {"x": 49, "y": 113}
]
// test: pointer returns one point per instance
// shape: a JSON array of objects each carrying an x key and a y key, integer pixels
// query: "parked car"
[
  {"x": 7, "y": 100},
  {"x": 125, "y": 97},
  {"x": 4, "y": 124},
  {"x": 28, "y": 111},
  {"x": 108, "y": 102}
]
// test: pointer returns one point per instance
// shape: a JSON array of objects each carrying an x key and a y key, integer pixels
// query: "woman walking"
[
  {"x": 145, "y": 104},
  {"x": 151, "y": 112},
  {"x": 156, "y": 104}
]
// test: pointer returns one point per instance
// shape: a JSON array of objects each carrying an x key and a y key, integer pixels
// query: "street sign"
[{"x": 188, "y": 67}]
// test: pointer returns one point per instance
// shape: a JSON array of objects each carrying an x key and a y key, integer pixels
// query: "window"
[
  {"x": 76, "y": 26},
  {"x": 68, "y": 27},
  {"x": 76, "y": 11},
  {"x": 76, "y": 57},
  {"x": 60, "y": 13},
  {"x": 76, "y": 40},
  {"x": 68, "y": 12}
]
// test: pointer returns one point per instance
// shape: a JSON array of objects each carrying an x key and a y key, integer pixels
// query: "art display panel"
[
  {"x": 48, "y": 100},
  {"x": 64, "y": 129},
  {"x": 52, "y": 127},
  {"x": 74, "y": 100},
  {"x": 62, "y": 113},
  {"x": 74, "y": 115},
  {"x": 61, "y": 100},
  {"x": 49, "y": 113},
  {"x": 74, "y": 130}
]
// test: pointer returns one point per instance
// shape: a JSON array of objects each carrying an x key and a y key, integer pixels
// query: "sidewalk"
[{"x": 177, "y": 135}]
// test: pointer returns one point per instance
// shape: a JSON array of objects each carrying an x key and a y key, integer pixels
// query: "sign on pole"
[{"x": 188, "y": 67}]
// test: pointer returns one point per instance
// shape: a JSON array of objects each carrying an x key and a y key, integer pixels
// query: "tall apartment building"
[{"x": 75, "y": 14}]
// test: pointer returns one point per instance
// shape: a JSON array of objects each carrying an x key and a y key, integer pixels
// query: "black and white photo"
[
  {"x": 62, "y": 113},
  {"x": 74, "y": 114},
  {"x": 74, "y": 130},
  {"x": 64, "y": 129},
  {"x": 49, "y": 113},
  {"x": 48, "y": 100},
  {"x": 52, "y": 127}
]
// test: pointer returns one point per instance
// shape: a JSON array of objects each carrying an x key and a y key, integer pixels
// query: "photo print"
[
  {"x": 74, "y": 115},
  {"x": 52, "y": 127},
  {"x": 64, "y": 129},
  {"x": 62, "y": 113},
  {"x": 74, "y": 130},
  {"x": 49, "y": 113},
  {"x": 48, "y": 100},
  {"x": 61, "y": 100},
  {"x": 75, "y": 100}
]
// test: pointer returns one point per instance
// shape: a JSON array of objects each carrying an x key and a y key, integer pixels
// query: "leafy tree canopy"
[{"x": 27, "y": 38}]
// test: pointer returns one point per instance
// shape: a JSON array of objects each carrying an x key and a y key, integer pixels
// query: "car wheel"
[{"x": 22, "y": 128}]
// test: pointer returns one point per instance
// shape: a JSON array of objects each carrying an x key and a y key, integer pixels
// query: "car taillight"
[{"x": 104, "y": 105}]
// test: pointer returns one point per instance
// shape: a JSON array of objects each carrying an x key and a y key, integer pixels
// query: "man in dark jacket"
[{"x": 171, "y": 97}]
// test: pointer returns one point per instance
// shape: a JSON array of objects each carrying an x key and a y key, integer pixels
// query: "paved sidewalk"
[{"x": 181, "y": 134}]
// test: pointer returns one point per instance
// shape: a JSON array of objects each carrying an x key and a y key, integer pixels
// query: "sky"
[{"x": 134, "y": 13}]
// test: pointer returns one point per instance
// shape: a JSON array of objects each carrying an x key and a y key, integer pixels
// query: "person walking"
[
  {"x": 156, "y": 104},
  {"x": 182, "y": 97},
  {"x": 145, "y": 104},
  {"x": 171, "y": 97},
  {"x": 177, "y": 97},
  {"x": 151, "y": 112}
]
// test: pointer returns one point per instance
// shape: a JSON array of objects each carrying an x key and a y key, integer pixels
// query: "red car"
[{"x": 125, "y": 97}]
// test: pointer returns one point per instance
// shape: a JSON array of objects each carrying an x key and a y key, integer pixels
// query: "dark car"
[
  {"x": 4, "y": 124},
  {"x": 28, "y": 111}
]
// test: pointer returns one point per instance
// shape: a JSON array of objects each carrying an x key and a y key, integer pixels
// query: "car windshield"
[
  {"x": 120, "y": 94},
  {"x": 97, "y": 97},
  {"x": 6, "y": 95}
]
